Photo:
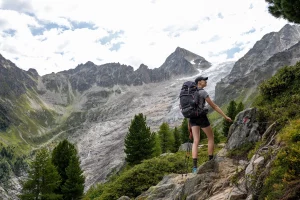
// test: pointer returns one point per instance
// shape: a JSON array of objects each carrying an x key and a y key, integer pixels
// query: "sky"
[{"x": 55, "y": 35}]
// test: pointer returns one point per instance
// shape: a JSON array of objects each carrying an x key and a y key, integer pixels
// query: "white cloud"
[{"x": 150, "y": 30}]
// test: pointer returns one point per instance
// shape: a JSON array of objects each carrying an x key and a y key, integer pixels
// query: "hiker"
[{"x": 202, "y": 122}]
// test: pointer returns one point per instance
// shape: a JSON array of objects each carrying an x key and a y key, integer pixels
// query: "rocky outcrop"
[
  {"x": 261, "y": 162},
  {"x": 212, "y": 182},
  {"x": 33, "y": 73},
  {"x": 11, "y": 189},
  {"x": 272, "y": 52},
  {"x": 245, "y": 129}
]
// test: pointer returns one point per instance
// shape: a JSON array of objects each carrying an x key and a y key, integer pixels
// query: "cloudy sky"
[{"x": 55, "y": 35}]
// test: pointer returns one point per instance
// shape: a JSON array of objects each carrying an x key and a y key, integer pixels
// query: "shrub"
[
  {"x": 279, "y": 98},
  {"x": 241, "y": 152},
  {"x": 283, "y": 181}
]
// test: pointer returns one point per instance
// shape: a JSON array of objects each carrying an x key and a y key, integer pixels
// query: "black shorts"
[{"x": 201, "y": 121}]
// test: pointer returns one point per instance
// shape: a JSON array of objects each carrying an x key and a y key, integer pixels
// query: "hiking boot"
[{"x": 194, "y": 170}]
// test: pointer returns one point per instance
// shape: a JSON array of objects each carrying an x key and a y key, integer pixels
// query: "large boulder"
[
  {"x": 245, "y": 129},
  {"x": 186, "y": 147}
]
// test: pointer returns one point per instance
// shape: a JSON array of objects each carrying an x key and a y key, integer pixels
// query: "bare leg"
[
  {"x": 210, "y": 136},
  {"x": 196, "y": 136}
]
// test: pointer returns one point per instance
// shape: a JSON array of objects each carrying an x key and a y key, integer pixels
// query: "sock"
[
  {"x": 195, "y": 160},
  {"x": 210, "y": 157}
]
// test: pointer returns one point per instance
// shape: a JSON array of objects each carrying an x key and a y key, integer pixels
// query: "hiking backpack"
[{"x": 189, "y": 98}]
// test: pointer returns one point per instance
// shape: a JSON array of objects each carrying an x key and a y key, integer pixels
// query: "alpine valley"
[{"x": 93, "y": 105}]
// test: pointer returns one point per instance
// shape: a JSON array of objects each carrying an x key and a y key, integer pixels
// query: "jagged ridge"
[{"x": 260, "y": 63}]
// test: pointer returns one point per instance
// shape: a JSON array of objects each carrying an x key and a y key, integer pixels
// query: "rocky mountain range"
[
  {"x": 273, "y": 51},
  {"x": 92, "y": 106}
]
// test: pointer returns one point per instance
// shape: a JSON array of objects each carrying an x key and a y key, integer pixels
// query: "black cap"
[{"x": 199, "y": 78}]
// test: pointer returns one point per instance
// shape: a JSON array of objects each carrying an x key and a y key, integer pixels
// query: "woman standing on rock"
[{"x": 202, "y": 122}]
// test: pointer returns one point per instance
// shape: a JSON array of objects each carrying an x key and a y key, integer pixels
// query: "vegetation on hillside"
[
  {"x": 54, "y": 176},
  {"x": 10, "y": 162},
  {"x": 166, "y": 138},
  {"x": 133, "y": 181},
  {"x": 43, "y": 178},
  {"x": 279, "y": 101},
  {"x": 283, "y": 181}
]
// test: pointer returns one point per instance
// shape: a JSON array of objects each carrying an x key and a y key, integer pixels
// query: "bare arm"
[{"x": 217, "y": 108}]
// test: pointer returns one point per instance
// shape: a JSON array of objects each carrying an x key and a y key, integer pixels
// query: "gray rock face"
[
  {"x": 13, "y": 80},
  {"x": 260, "y": 164},
  {"x": 168, "y": 189},
  {"x": 184, "y": 61},
  {"x": 11, "y": 192},
  {"x": 273, "y": 51},
  {"x": 33, "y": 73},
  {"x": 244, "y": 130},
  {"x": 84, "y": 76},
  {"x": 185, "y": 147}
]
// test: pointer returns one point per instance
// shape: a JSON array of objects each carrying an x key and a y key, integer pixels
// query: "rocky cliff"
[
  {"x": 273, "y": 51},
  {"x": 10, "y": 86}
]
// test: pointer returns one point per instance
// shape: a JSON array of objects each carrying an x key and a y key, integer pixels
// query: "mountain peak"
[
  {"x": 33, "y": 72},
  {"x": 287, "y": 26},
  {"x": 183, "y": 52},
  {"x": 289, "y": 31},
  {"x": 143, "y": 67},
  {"x": 196, "y": 61},
  {"x": 89, "y": 64},
  {"x": 179, "y": 49}
]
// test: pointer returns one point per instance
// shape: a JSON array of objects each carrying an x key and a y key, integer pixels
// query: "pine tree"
[
  {"x": 177, "y": 139},
  {"x": 139, "y": 141},
  {"x": 231, "y": 112},
  {"x": 185, "y": 131},
  {"x": 166, "y": 138},
  {"x": 288, "y": 9},
  {"x": 43, "y": 178},
  {"x": 74, "y": 185},
  {"x": 61, "y": 157},
  {"x": 157, "y": 146},
  {"x": 240, "y": 107}
]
